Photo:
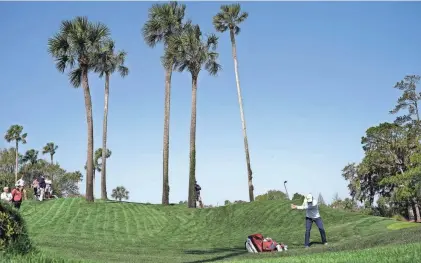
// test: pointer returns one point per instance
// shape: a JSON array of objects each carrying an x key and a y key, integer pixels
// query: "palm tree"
[
  {"x": 120, "y": 193},
  {"x": 107, "y": 62},
  {"x": 189, "y": 51},
  {"x": 97, "y": 164},
  {"x": 165, "y": 20},
  {"x": 14, "y": 133},
  {"x": 30, "y": 156},
  {"x": 229, "y": 18},
  {"x": 74, "y": 48},
  {"x": 51, "y": 149}
]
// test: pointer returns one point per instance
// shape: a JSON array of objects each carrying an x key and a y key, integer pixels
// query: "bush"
[{"x": 13, "y": 233}]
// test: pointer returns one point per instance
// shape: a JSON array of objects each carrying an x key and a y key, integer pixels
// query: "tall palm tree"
[
  {"x": 165, "y": 20},
  {"x": 30, "y": 156},
  {"x": 14, "y": 133},
  {"x": 189, "y": 51},
  {"x": 74, "y": 47},
  {"x": 229, "y": 18},
  {"x": 107, "y": 62},
  {"x": 50, "y": 148},
  {"x": 120, "y": 193}
]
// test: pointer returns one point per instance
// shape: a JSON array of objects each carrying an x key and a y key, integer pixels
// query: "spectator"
[
  {"x": 41, "y": 185},
  {"x": 35, "y": 186},
  {"x": 21, "y": 183},
  {"x": 6, "y": 196},
  {"x": 17, "y": 196}
]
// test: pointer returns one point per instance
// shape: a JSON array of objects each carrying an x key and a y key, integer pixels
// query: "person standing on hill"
[
  {"x": 198, "y": 198},
  {"x": 312, "y": 215},
  {"x": 41, "y": 185},
  {"x": 17, "y": 196}
]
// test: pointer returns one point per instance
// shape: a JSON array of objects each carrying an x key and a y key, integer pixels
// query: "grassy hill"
[{"x": 127, "y": 232}]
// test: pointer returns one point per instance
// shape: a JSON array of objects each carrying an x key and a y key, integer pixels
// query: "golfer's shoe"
[{"x": 325, "y": 244}]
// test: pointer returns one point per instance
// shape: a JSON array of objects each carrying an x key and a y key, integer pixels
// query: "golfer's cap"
[
  {"x": 5, "y": 188},
  {"x": 309, "y": 198}
]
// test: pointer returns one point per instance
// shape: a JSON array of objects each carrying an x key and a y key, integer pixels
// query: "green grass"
[{"x": 72, "y": 229}]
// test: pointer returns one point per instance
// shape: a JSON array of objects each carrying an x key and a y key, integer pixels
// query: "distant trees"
[
  {"x": 50, "y": 148},
  {"x": 391, "y": 167},
  {"x": 272, "y": 195},
  {"x": 320, "y": 200},
  {"x": 297, "y": 198},
  {"x": 120, "y": 193},
  {"x": 14, "y": 134},
  {"x": 30, "y": 166}
]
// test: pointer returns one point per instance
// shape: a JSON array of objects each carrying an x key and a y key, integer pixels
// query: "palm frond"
[
  {"x": 75, "y": 77},
  {"x": 229, "y": 17},
  {"x": 164, "y": 20}
]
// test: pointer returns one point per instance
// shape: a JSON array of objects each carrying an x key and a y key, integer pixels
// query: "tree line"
[
  {"x": 391, "y": 168},
  {"x": 81, "y": 46},
  {"x": 28, "y": 166}
]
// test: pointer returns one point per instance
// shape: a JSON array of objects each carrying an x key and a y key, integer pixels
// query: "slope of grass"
[{"x": 127, "y": 232}]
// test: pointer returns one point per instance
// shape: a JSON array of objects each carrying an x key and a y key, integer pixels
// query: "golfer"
[{"x": 312, "y": 215}]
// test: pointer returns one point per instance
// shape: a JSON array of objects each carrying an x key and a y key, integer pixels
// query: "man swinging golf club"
[{"x": 312, "y": 215}]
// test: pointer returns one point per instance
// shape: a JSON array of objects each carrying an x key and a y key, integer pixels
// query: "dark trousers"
[
  {"x": 319, "y": 224},
  {"x": 17, "y": 204}
]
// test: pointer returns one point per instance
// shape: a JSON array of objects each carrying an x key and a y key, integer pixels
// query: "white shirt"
[
  {"x": 6, "y": 196},
  {"x": 312, "y": 209},
  {"x": 20, "y": 182}
]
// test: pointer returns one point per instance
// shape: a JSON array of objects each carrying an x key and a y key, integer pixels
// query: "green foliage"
[
  {"x": 50, "y": 148},
  {"x": 272, "y": 195},
  {"x": 31, "y": 156},
  {"x": 13, "y": 234},
  {"x": 14, "y": 133},
  {"x": 190, "y": 51},
  {"x": 297, "y": 198},
  {"x": 229, "y": 17},
  {"x": 107, "y": 61},
  {"x": 164, "y": 20},
  {"x": 120, "y": 193},
  {"x": 76, "y": 45},
  {"x": 64, "y": 183}
]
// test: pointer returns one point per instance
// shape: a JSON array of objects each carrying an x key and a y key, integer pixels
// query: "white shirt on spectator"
[
  {"x": 6, "y": 196},
  {"x": 20, "y": 182}
]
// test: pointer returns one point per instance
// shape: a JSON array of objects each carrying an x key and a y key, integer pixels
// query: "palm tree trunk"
[
  {"x": 52, "y": 163},
  {"x": 17, "y": 161},
  {"x": 166, "y": 155},
  {"x": 192, "y": 171},
  {"x": 104, "y": 139},
  {"x": 243, "y": 121},
  {"x": 89, "y": 163}
]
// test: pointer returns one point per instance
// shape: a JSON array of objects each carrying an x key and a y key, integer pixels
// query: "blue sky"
[{"x": 314, "y": 77}]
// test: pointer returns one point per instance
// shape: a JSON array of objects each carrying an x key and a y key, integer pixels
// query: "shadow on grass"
[
  {"x": 231, "y": 252},
  {"x": 315, "y": 243}
]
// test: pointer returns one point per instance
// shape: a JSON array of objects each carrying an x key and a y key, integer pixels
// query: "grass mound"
[{"x": 128, "y": 232}]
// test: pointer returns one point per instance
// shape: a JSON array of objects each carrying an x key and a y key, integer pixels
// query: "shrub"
[{"x": 13, "y": 233}]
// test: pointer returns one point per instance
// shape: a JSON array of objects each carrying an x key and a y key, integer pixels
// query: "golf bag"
[{"x": 256, "y": 243}]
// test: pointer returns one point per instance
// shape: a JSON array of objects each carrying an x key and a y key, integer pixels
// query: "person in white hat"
[{"x": 312, "y": 215}]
